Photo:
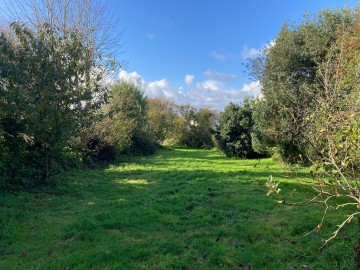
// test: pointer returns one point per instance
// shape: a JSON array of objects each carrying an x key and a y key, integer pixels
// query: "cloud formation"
[
  {"x": 209, "y": 93},
  {"x": 218, "y": 55},
  {"x": 212, "y": 75},
  {"x": 249, "y": 52},
  {"x": 132, "y": 77},
  {"x": 209, "y": 85},
  {"x": 161, "y": 88},
  {"x": 253, "y": 87},
  {"x": 189, "y": 79}
]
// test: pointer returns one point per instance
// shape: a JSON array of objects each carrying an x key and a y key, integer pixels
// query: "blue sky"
[
  {"x": 193, "y": 51},
  {"x": 206, "y": 42}
]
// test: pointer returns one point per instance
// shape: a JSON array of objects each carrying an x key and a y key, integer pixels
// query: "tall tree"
[
  {"x": 289, "y": 73},
  {"x": 55, "y": 65},
  {"x": 44, "y": 93}
]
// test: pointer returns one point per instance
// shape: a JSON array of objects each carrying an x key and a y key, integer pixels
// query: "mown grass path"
[{"x": 180, "y": 209}]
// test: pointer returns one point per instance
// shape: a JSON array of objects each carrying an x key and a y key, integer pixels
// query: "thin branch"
[
  {"x": 344, "y": 205},
  {"x": 335, "y": 233}
]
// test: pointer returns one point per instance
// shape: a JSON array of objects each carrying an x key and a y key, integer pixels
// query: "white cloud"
[
  {"x": 249, "y": 52},
  {"x": 209, "y": 93},
  {"x": 161, "y": 88},
  {"x": 219, "y": 56},
  {"x": 211, "y": 75},
  {"x": 189, "y": 79},
  {"x": 210, "y": 85},
  {"x": 253, "y": 87},
  {"x": 132, "y": 77},
  {"x": 203, "y": 95}
]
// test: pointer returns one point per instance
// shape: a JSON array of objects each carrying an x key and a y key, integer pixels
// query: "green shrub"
[{"x": 234, "y": 131}]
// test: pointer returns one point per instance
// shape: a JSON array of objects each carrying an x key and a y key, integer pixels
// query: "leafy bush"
[
  {"x": 44, "y": 99},
  {"x": 122, "y": 129},
  {"x": 142, "y": 145},
  {"x": 234, "y": 131}
]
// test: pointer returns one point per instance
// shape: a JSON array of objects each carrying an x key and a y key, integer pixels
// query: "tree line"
[
  {"x": 58, "y": 108},
  {"x": 61, "y": 107}
]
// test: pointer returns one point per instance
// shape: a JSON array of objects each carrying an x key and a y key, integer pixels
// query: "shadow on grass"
[
  {"x": 140, "y": 184},
  {"x": 157, "y": 213}
]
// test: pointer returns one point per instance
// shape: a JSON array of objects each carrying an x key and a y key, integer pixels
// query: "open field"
[{"x": 179, "y": 209}]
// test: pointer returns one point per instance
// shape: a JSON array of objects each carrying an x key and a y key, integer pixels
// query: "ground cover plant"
[{"x": 179, "y": 209}]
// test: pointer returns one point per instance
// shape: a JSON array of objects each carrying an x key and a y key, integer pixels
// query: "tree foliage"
[
  {"x": 310, "y": 105},
  {"x": 92, "y": 19},
  {"x": 55, "y": 63},
  {"x": 123, "y": 127},
  {"x": 290, "y": 74},
  {"x": 196, "y": 127},
  {"x": 45, "y": 95},
  {"x": 163, "y": 118}
]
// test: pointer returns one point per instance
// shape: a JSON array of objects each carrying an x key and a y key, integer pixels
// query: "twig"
[
  {"x": 345, "y": 204},
  {"x": 335, "y": 233}
]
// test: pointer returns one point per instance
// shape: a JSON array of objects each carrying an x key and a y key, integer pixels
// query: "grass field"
[{"x": 179, "y": 209}]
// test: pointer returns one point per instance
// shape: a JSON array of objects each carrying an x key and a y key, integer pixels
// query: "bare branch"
[{"x": 335, "y": 233}]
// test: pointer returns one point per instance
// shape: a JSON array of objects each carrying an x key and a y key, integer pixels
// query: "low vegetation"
[{"x": 179, "y": 209}]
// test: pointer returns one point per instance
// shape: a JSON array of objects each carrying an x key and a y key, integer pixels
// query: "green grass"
[{"x": 180, "y": 209}]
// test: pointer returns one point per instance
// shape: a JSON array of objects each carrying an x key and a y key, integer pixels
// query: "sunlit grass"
[{"x": 180, "y": 209}]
